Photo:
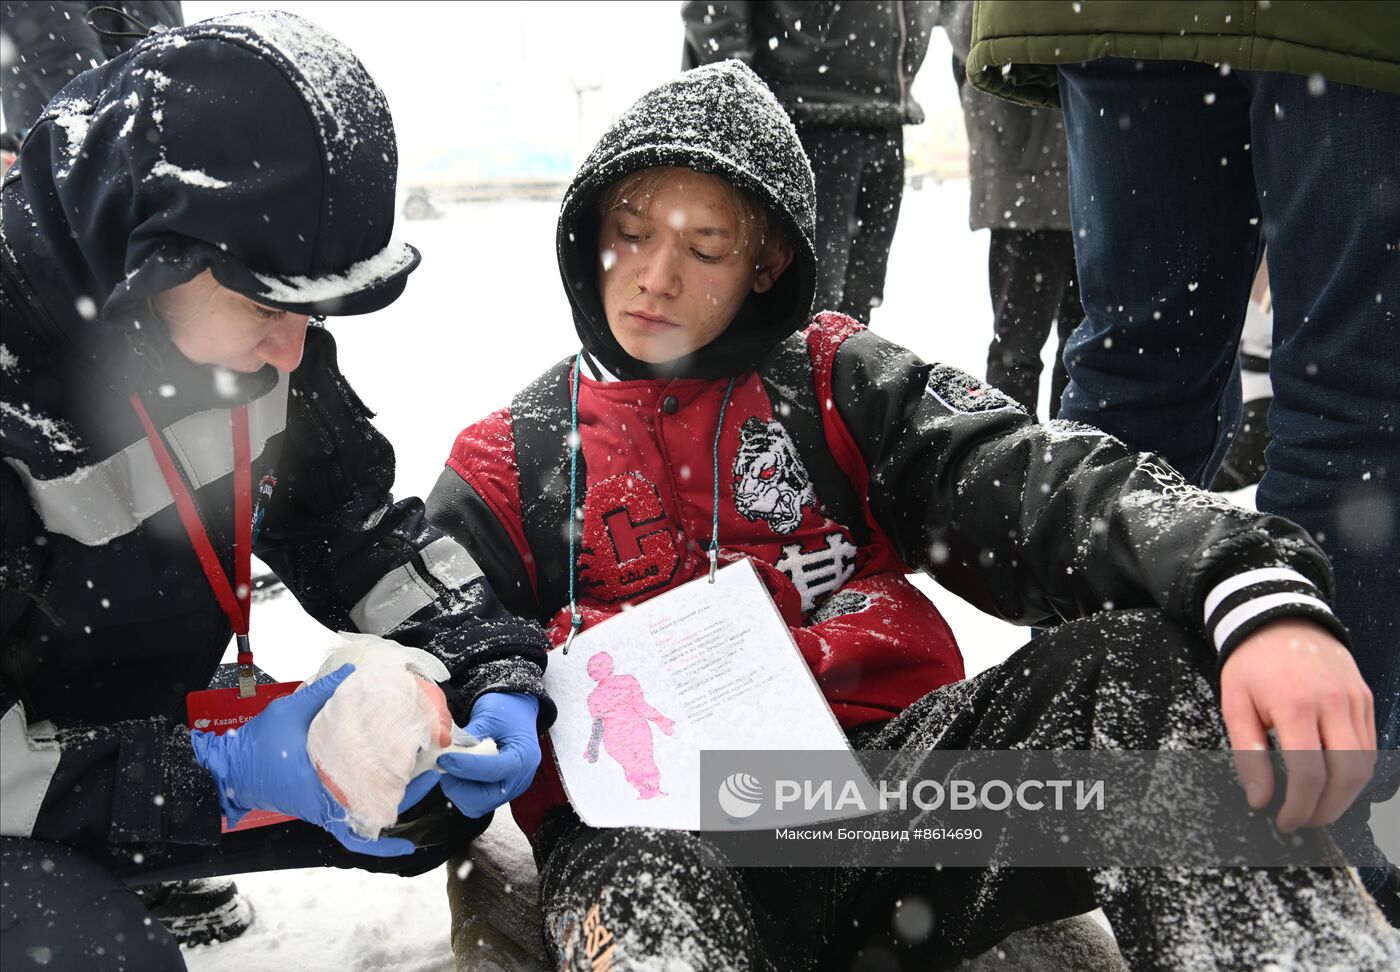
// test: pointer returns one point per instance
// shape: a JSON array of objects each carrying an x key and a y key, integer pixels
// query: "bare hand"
[{"x": 1294, "y": 677}]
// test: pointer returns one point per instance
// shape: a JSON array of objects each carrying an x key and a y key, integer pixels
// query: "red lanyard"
[{"x": 235, "y": 599}]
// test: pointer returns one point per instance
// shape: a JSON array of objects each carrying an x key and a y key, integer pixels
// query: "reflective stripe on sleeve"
[
  {"x": 111, "y": 498},
  {"x": 28, "y": 762},
  {"x": 403, "y": 592},
  {"x": 450, "y": 562},
  {"x": 397, "y": 596}
]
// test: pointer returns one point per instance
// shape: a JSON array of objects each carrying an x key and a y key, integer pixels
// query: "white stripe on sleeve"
[
  {"x": 1252, "y": 609},
  {"x": 1249, "y": 578},
  {"x": 449, "y": 562},
  {"x": 98, "y": 503}
]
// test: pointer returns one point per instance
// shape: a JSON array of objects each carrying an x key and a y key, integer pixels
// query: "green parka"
[{"x": 1016, "y": 44}]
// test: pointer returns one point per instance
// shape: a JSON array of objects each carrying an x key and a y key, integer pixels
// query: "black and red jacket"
[
  {"x": 873, "y": 641},
  {"x": 844, "y": 463}
]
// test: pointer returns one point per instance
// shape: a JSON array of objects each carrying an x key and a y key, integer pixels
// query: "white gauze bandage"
[{"x": 384, "y": 725}]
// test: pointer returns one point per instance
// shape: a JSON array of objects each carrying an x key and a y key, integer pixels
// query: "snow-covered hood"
[
  {"x": 255, "y": 145},
  {"x": 722, "y": 119}
]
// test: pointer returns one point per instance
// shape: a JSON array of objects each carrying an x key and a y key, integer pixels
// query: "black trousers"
[
  {"x": 1119, "y": 680},
  {"x": 860, "y": 183},
  {"x": 62, "y": 908},
  {"x": 1032, "y": 280}
]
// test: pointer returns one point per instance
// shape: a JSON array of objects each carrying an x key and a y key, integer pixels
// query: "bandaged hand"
[
  {"x": 385, "y": 725},
  {"x": 263, "y": 765}
]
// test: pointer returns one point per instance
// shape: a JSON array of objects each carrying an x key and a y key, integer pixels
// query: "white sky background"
[{"x": 473, "y": 74}]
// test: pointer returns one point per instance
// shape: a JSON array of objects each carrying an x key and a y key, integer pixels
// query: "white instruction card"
[{"x": 701, "y": 667}]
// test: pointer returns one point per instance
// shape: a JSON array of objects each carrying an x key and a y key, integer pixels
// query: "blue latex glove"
[
  {"x": 476, "y": 785},
  {"x": 263, "y": 766}
]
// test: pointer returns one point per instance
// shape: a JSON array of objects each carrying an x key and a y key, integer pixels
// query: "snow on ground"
[{"x": 483, "y": 315}]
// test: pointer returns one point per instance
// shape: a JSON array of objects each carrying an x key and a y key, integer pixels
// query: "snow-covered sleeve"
[
  {"x": 718, "y": 31},
  {"x": 359, "y": 560},
  {"x": 1038, "y": 523},
  {"x": 59, "y": 783},
  {"x": 476, "y": 501}
]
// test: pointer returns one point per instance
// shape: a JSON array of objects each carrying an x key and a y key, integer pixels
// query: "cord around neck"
[{"x": 576, "y": 443}]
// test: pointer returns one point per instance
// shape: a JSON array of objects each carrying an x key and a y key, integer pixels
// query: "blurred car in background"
[{"x": 474, "y": 173}]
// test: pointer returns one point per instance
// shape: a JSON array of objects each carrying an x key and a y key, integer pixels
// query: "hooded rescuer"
[{"x": 177, "y": 225}]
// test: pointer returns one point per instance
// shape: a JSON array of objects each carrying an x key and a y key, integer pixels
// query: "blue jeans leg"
[
  {"x": 1327, "y": 161},
  {"x": 1176, "y": 171},
  {"x": 1167, "y": 237}
]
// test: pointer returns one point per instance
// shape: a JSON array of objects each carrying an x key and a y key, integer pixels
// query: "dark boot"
[
  {"x": 1244, "y": 463},
  {"x": 199, "y": 912}
]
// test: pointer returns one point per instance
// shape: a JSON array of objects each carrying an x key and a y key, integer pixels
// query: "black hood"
[
  {"x": 720, "y": 119},
  {"x": 253, "y": 145}
]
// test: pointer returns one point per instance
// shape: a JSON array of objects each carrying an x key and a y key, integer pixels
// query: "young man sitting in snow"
[{"x": 711, "y": 413}]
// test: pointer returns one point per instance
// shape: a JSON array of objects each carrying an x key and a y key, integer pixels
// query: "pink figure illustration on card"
[{"x": 622, "y": 720}]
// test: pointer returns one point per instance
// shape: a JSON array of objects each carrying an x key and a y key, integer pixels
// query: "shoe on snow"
[{"x": 199, "y": 912}]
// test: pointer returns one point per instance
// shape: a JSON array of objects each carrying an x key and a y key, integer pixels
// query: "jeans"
[{"x": 1178, "y": 171}]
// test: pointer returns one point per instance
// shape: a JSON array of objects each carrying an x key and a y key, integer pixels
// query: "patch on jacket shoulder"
[{"x": 960, "y": 392}]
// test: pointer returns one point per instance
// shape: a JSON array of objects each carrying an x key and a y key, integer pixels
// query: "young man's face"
[
  {"x": 674, "y": 270},
  {"x": 211, "y": 324}
]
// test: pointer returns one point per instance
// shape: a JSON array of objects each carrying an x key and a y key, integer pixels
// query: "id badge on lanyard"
[{"x": 219, "y": 710}]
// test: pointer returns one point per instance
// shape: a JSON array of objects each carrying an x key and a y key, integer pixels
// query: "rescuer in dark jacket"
[{"x": 174, "y": 219}]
